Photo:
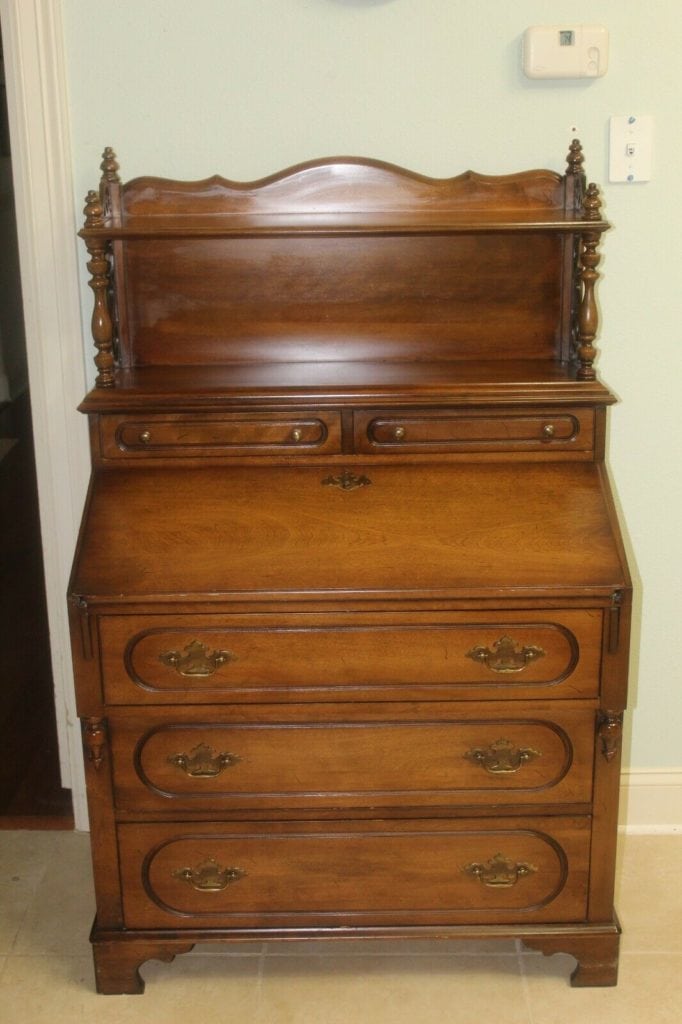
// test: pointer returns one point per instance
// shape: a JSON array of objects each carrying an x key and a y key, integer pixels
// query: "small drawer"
[
  {"x": 210, "y": 658},
  {"x": 227, "y": 434},
  {"x": 189, "y": 762},
  {"x": 435, "y": 431},
  {"x": 341, "y": 874}
]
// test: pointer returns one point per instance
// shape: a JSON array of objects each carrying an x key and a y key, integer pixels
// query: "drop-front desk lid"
[{"x": 360, "y": 531}]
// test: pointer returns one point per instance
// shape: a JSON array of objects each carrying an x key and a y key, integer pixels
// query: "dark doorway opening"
[{"x": 31, "y": 795}]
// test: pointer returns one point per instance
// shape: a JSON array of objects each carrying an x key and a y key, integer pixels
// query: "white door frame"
[{"x": 46, "y": 226}]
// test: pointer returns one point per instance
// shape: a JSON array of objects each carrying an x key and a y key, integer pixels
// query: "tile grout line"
[
  {"x": 30, "y": 902},
  {"x": 260, "y": 979},
  {"x": 525, "y": 987}
]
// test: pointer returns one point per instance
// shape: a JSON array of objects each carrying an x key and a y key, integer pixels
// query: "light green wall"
[{"x": 247, "y": 87}]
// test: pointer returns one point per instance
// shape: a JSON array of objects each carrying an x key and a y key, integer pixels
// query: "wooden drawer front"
[
  {"x": 298, "y": 874},
  {"x": 157, "y": 659},
  {"x": 187, "y": 763},
  {"x": 433, "y": 431},
  {"x": 227, "y": 434}
]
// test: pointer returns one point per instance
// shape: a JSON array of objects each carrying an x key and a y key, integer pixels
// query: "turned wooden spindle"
[
  {"x": 588, "y": 315},
  {"x": 98, "y": 266}
]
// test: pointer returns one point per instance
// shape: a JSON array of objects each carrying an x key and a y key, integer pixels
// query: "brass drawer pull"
[
  {"x": 196, "y": 659},
  {"x": 502, "y": 757},
  {"x": 499, "y": 872},
  {"x": 505, "y": 656},
  {"x": 202, "y": 762},
  {"x": 145, "y": 437},
  {"x": 296, "y": 434},
  {"x": 399, "y": 433},
  {"x": 548, "y": 432},
  {"x": 209, "y": 876}
]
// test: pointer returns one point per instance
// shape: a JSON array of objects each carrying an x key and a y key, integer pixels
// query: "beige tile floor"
[{"x": 46, "y": 907}]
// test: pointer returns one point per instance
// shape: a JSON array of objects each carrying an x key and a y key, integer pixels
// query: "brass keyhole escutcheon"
[{"x": 346, "y": 481}]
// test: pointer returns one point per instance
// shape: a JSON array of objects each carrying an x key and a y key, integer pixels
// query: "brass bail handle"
[
  {"x": 499, "y": 872},
  {"x": 505, "y": 655},
  {"x": 208, "y": 876},
  {"x": 502, "y": 757},
  {"x": 196, "y": 659},
  {"x": 202, "y": 762}
]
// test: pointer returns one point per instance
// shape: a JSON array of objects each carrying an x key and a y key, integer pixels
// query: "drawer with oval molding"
[
  {"x": 194, "y": 761},
  {"x": 419, "y": 655},
  {"x": 374, "y": 873},
  {"x": 441, "y": 431},
  {"x": 204, "y": 435}
]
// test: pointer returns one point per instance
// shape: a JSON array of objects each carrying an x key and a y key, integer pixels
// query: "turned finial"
[
  {"x": 575, "y": 158},
  {"x": 94, "y": 210},
  {"x": 109, "y": 166},
  {"x": 592, "y": 202}
]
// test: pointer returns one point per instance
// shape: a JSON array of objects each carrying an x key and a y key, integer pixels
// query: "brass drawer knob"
[
  {"x": 202, "y": 762},
  {"x": 399, "y": 433},
  {"x": 499, "y": 872},
  {"x": 505, "y": 656},
  {"x": 209, "y": 876},
  {"x": 145, "y": 437},
  {"x": 548, "y": 431},
  {"x": 502, "y": 757},
  {"x": 196, "y": 659},
  {"x": 296, "y": 434}
]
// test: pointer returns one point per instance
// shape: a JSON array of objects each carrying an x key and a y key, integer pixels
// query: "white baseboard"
[{"x": 651, "y": 801}]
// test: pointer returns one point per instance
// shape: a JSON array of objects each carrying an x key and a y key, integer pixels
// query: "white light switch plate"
[{"x": 631, "y": 139}]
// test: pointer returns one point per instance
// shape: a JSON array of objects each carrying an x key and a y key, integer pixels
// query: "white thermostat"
[{"x": 565, "y": 51}]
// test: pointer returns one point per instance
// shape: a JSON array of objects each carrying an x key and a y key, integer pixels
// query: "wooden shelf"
[
  {"x": 333, "y": 225},
  {"x": 346, "y": 382}
]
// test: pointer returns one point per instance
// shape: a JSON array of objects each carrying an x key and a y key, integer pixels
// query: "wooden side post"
[{"x": 588, "y": 315}]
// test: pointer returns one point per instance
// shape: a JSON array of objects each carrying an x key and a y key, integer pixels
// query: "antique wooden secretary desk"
[{"x": 350, "y": 608}]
